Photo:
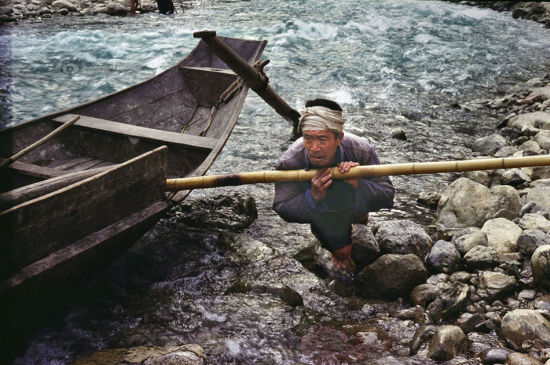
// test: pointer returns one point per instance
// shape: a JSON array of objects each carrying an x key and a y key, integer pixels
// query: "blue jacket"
[{"x": 293, "y": 201}]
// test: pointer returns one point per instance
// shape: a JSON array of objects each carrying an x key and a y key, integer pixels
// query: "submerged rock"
[
  {"x": 447, "y": 342},
  {"x": 392, "y": 275},
  {"x": 154, "y": 355},
  {"x": 466, "y": 203},
  {"x": 403, "y": 237},
  {"x": 222, "y": 212},
  {"x": 522, "y": 325}
]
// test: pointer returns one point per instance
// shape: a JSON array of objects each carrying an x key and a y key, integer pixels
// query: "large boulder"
[
  {"x": 403, "y": 237},
  {"x": 540, "y": 120},
  {"x": 489, "y": 144},
  {"x": 540, "y": 195},
  {"x": 393, "y": 275},
  {"x": 443, "y": 257},
  {"x": 117, "y": 9},
  {"x": 522, "y": 325},
  {"x": 466, "y": 203},
  {"x": 502, "y": 234},
  {"x": 540, "y": 263},
  {"x": 448, "y": 342}
]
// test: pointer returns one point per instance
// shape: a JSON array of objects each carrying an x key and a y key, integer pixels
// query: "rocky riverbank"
[
  {"x": 17, "y": 10},
  {"x": 538, "y": 11}
]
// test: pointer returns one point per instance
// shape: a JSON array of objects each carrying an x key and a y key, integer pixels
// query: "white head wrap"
[{"x": 321, "y": 118}]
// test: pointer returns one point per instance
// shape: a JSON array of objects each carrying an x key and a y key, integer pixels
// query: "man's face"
[{"x": 321, "y": 146}]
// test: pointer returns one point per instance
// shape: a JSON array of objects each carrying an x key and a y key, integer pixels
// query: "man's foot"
[{"x": 344, "y": 266}]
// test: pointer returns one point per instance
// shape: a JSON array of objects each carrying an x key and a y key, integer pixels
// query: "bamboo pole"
[
  {"x": 42, "y": 140},
  {"x": 256, "y": 177}
]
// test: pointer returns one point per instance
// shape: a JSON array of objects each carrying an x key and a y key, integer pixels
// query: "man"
[{"x": 330, "y": 206}]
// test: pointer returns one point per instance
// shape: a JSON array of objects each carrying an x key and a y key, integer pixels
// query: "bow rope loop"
[{"x": 321, "y": 118}]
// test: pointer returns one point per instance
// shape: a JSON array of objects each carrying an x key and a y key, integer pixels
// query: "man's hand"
[
  {"x": 344, "y": 167},
  {"x": 320, "y": 183}
]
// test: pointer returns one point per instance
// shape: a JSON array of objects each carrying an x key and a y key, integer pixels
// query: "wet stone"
[
  {"x": 468, "y": 321},
  {"x": 493, "y": 356},
  {"x": 496, "y": 284},
  {"x": 448, "y": 342},
  {"x": 542, "y": 303},
  {"x": 443, "y": 257},
  {"x": 222, "y": 212},
  {"x": 523, "y": 325},
  {"x": 364, "y": 247},
  {"x": 403, "y": 237},
  {"x": 527, "y": 294},
  {"x": 517, "y": 358},
  {"x": 540, "y": 263}
]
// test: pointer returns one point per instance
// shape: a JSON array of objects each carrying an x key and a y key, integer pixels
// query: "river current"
[{"x": 419, "y": 66}]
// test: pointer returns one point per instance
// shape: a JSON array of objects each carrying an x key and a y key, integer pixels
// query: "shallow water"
[{"x": 405, "y": 64}]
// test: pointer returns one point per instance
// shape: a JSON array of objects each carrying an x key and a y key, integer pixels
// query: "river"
[{"x": 419, "y": 66}]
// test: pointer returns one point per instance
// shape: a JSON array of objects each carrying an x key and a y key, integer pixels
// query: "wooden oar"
[
  {"x": 39, "y": 142},
  {"x": 356, "y": 172}
]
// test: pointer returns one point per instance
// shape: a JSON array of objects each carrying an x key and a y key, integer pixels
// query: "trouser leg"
[{"x": 332, "y": 230}]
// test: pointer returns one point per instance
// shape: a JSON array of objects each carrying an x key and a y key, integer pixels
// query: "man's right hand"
[{"x": 320, "y": 183}]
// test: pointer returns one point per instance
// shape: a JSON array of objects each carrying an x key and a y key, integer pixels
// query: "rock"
[
  {"x": 541, "y": 172},
  {"x": 496, "y": 284},
  {"x": 398, "y": 134},
  {"x": 447, "y": 342},
  {"x": 530, "y": 148},
  {"x": 466, "y": 203},
  {"x": 481, "y": 257},
  {"x": 117, "y": 9},
  {"x": 542, "y": 303},
  {"x": 489, "y": 144},
  {"x": 64, "y": 4},
  {"x": 541, "y": 196},
  {"x": 429, "y": 199},
  {"x": 63, "y": 11},
  {"x": 403, "y": 237},
  {"x": 393, "y": 275},
  {"x": 245, "y": 247},
  {"x": 468, "y": 238},
  {"x": 423, "y": 294},
  {"x": 515, "y": 177},
  {"x": 522, "y": 325},
  {"x": 481, "y": 177},
  {"x": 543, "y": 139},
  {"x": 540, "y": 120},
  {"x": 443, "y": 257},
  {"x": 469, "y": 321},
  {"x": 506, "y": 151},
  {"x": 155, "y": 355},
  {"x": 221, "y": 212},
  {"x": 527, "y": 294},
  {"x": 534, "y": 222},
  {"x": 364, "y": 247},
  {"x": 516, "y": 358},
  {"x": 540, "y": 263},
  {"x": 530, "y": 240},
  {"x": 502, "y": 234},
  {"x": 493, "y": 355}
]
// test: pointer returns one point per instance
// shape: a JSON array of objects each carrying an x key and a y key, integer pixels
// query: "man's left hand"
[{"x": 344, "y": 167}]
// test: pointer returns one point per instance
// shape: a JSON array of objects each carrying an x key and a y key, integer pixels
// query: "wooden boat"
[{"x": 84, "y": 196}]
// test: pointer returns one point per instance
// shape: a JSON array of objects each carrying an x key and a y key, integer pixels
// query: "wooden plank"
[
  {"x": 102, "y": 245},
  {"x": 35, "y": 170},
  {"x": 37, "y": 228},
  {"x": 68, "y": 164},
  {"x": 86, "y": 165},
  {"x": 186, "y": 140}
]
